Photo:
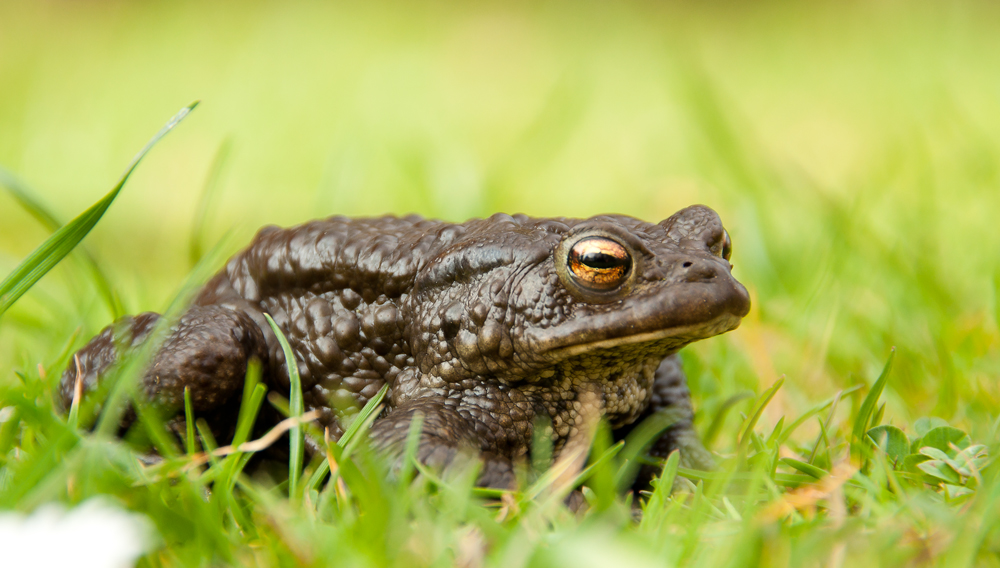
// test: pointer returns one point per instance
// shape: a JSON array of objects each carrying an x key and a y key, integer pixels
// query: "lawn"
[{"x": 852, "y": 150}]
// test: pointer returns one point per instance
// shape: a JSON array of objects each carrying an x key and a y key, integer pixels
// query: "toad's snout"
[
  {"x": 699, "y": 270},
  {"x": 702, "y": 287}
]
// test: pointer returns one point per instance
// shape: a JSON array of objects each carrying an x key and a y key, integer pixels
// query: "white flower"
[{"x": 96, "y": 534}]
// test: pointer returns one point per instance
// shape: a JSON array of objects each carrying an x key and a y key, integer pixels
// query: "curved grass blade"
[
  {"x": 64, "y": 240},
  {"x": 806, "y": 468},
  {"x": 26, "y": 198},
  {"x": 720, "y": 417},
  {"x": 253, "y": 397},
  {"x": 190, "y": 444},
  {"x": 834, "y": 400},
  {"x": 373, "y": 406},
  {"x": 864, "y": 416},
  {"x": 762, "y": 402},
  {"x": 209, "y": 193},
  {"x": 996, "y": 298},
  {"x": 349, "y": 439},
  {"x": 638, "y": 441},
  {"x": 295, "y": 408},
  {"x": 657, "y": 506}
]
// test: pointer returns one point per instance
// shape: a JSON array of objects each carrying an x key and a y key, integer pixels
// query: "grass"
[{"x": 851, "y": 149}]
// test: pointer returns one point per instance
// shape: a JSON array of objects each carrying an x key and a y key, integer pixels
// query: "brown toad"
[{"x": 482, "y": 327}]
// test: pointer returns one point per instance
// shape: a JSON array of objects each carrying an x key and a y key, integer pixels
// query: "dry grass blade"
[
  {"x": 262, "y": 443},
  {"x": 805, "y": 498},
  {"x": 339, "y": 487},
  {"x": 559, "y": 479},
  {"x": 74, "y": 408}
]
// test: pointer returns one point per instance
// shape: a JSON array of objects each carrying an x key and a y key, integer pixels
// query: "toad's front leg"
[{"x": 206, "y": 351}]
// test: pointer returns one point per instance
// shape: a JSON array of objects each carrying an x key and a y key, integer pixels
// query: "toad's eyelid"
[{"x": 599, "y": 247}]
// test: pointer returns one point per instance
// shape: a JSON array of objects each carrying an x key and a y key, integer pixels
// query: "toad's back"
[{"x": 336, "y": 288}]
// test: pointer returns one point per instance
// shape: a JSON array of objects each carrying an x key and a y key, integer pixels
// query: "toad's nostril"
[{"x": 698, "y": 271}]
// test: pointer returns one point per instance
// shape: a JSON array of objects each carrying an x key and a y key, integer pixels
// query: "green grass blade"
[
  {"x": 151, "y": 420},
  {"x": 804, "y": 467},
  {"x": 244, "y": 424},
  {"x": 317, "y": 476},
  {"x": 208, "y": 440},
  {"x": 605, "y": 457},
  {"x": 295, "y": 409},
  {"x": 996, "y": 299},
  {"x": 64, "y": 240},
  {"x": 775, "y": 433},
  {"x": 412, "y": 445},
  {"x": 249, "y": 411},
  {"x": 656, "y": 506},
  {"x": 364, "y": 417},
  {"x": 365, "y": 423},
  {"x": 762, "y": 403},
  {"x": 190, "y": 443},
  {"x": 636, "y": 443},
  {"x": 208, "y": 197},
  {"x": 27, "y": 199},
  {"x": 864, "y": 416},
  {"x": 877, "y": 416},
  {"x": 720, "y": 417},
  {"x": 787, "y": 432},
  {"x": 8, "y": 430}
]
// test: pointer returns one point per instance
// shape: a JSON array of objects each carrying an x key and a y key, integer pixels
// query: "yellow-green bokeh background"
[{"x": 852, "y": 148}]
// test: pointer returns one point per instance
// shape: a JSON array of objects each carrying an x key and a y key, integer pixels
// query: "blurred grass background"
[{"x": 852, "y": 148}]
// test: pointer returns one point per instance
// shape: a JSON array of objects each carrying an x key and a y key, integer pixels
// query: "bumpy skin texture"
[{"x": 481, "y": 327}]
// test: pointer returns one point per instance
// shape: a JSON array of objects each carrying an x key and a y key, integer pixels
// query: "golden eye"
[{"x": 599, "y": 263}]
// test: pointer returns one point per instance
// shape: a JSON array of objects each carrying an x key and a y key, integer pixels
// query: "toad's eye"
[
  {"x": 723, "y": 247},
  {"x": 599, "y": 263}
]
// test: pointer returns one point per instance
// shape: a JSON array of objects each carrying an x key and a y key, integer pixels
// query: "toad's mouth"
[{"x": 692, "y": 311}]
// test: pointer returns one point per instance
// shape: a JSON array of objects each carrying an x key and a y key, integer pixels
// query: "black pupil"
[{"x": 600, "y": 260}]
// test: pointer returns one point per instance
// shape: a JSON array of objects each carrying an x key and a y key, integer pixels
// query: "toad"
[{"x": 483, "y": 328}]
